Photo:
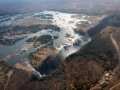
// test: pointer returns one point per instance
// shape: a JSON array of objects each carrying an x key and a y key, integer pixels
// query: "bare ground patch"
[{"x": 31, "y": 21}]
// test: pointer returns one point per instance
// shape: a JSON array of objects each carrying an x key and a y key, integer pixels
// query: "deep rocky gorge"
[{"x": 79, "y": 71}]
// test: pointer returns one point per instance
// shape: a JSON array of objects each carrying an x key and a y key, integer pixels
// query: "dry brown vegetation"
[
  {"x": 114, "y": 84},
  {"x": 116, "y": 80},
  {"x": 17, "y": 80},
  {"x": 71, "y": 78},
  {"x": 116, "y": 37},
  {"x": 93, "y": 22},
  {"x": 37, "y": 58},
  {"x": 80, "y": 70},
  {"x": 4, "y": 71},
  {"x": 31, "y": 21},
  {"x": 20, "y": 66}
]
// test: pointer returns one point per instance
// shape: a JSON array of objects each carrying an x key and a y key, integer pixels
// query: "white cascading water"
[{"x": 35, "y": 71}]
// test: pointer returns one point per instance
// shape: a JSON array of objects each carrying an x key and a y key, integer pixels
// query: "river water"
[{"x": 66, "y": 37}]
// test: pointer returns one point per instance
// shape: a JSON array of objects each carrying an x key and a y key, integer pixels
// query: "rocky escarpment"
[{"x": 44, "y": 59}]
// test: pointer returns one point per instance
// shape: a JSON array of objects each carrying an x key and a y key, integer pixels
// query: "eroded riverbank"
[{"x": 65, "y": 40}]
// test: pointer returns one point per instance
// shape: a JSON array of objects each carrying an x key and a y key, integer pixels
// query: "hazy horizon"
[{"x": 64, "y": 5}]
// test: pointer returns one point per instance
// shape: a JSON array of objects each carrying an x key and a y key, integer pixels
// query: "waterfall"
[{"x": 35, "y": 71}]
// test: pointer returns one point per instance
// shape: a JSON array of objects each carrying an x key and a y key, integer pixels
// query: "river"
[{"x": 66, "y": 37}]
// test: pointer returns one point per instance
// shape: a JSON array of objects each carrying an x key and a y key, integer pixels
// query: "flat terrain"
[
  {"x": 75, "y": 73},
  {"x": 86, "y": 6},
  {"x": 37, "y": 58},
  {"x": 31, "y": 21},
  {"x": 94, "y": 21},
  {"x": 80, "y": 70},
  {"x": 5, "y": 74},
  {"x": 20, "y": 66}
]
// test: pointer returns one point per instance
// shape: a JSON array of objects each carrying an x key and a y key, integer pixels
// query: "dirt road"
[
  {"x": 118, "y": 54},
  {"x": 9, "y": 75},
  {"x": 116, "y": 46}
]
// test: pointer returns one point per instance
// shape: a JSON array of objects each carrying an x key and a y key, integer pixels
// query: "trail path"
[
  {"x": 9, "y": 75},
  {"x": 118, "y": 54},
  {"x": 112, "y": 88},
  {"x": 116, "y": 46}
]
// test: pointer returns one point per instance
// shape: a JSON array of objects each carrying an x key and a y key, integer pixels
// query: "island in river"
[{"x": 45, "y": 56}]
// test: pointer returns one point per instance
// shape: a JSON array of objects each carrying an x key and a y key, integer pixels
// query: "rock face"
[
  {"x": 79, "y": 71},
  {"x": 41, "y": 55}
]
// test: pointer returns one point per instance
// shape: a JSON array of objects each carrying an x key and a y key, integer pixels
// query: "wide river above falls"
[{"x": 66, "y": 37}]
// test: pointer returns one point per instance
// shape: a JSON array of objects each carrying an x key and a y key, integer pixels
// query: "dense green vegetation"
[
  {"x": 44, "y": 39},
  {"x": 79, "y": 71},
  {"x": 31, "y": 39},
  {"x": 19, "y": 30},
  {"x": 99, "y": 51},
  {"x": 80, "y": 32},
  {"x": 9, "y": 41},
  {"x": 82, "y": 69},
  {"x": 34, "y": 28}
]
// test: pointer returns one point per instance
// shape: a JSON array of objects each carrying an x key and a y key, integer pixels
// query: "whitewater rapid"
[
  {"x": 67, "y": 22},
  {"x": 67, "y": 37},
  {"x": 35, "y": 71}
]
